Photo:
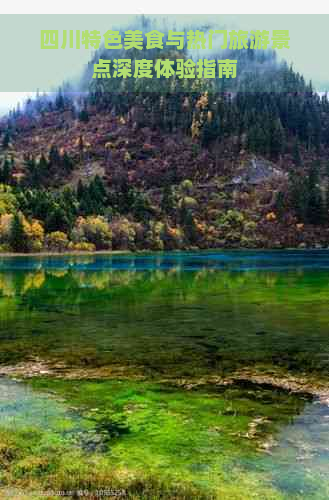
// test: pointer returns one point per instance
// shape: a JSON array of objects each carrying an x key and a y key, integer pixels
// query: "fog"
[{"x": 307, "y": 50}]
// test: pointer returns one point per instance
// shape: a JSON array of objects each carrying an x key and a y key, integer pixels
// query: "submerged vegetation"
[
  {"x": 150, "y": 441},
  {"x": 165, "y": 376}
]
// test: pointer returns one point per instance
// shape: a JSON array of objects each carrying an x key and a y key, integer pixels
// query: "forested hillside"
[{"x": 212, "y": 163}]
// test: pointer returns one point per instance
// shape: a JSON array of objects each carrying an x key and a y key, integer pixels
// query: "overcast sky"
[{"x": 9, "y": 100}]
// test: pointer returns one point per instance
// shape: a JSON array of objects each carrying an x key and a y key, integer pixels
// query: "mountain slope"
[{"x": 159, "y": 170}]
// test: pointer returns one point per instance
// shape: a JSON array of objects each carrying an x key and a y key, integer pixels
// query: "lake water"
[{"x": 147, "y": 342}]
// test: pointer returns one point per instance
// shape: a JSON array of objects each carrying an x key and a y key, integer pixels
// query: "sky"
[{"x": 9, "y": 100}]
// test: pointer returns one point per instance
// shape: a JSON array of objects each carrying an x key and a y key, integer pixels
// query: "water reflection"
[
  {"x": 188, "y": 261},
  {"x": 167, "y": 320}
]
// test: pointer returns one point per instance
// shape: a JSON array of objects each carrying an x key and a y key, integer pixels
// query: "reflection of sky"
[
  {"x": 48, "y": 69},
  {"x": 21, "y": 406}
]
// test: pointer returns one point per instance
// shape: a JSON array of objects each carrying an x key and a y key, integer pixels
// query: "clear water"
[{"x": 154, "y": 321}]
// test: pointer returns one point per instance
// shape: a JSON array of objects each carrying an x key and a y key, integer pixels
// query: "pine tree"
[
  {"x": 280, "y": 204},
  {"x": 188, "y": 223},
  {"x": 43, "y": 166},
  {"x": 99, "y": 188},
  {"x": 6, "y": 140},
  {"x": 327, "y": 203},
  {"x": 277, "y": 139},
  {"x": 5, "y": 172},
  {"x": 54, "y": 156},
  {"x": 84, "y": 116},
  {"x": 67, "y": 163},
  {"x": 59, "y": 101},
  {"x": 17, "y": 237},
  {"x": 296, "y": 154},
  {"x": 80, "y": 190},
  {"x": 141, "y": 207},
  {"x": 298, "y": 194},
  {"x": 87, "y": 204},
  {"x": 315, "y": 209},
  {"x": 57, "y": 220},
  {"x": 168, "y": 200}
]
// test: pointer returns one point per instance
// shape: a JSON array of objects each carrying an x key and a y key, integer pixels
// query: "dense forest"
[{"x": 210, "y": 163}]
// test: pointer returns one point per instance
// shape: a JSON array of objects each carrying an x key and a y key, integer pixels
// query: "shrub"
[
  {"x": 155, "y": 235},
  {"x": 187, "y": 186},
  {"x": 5, "y": 225},
  {"x": 82, "y": 246},
  {"x": 123, "y": 234},
  {"x": 57, "y": 241},
  {"x": 8, "y": 202},
  {"x": 188, "y": 202},
  {"x": 34, "y": 233},
  {"x": 232, "y": 219},
  {"x": 173, "y": 237},
  {"x": 93, "y": 229}
]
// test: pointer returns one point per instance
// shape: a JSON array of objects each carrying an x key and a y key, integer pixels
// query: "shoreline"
[
  {"x": 149, "y": 251},
  {"x": 63, "y": 254}
]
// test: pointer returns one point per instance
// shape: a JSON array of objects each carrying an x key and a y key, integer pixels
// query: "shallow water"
[{"x": 174, "y": 317}]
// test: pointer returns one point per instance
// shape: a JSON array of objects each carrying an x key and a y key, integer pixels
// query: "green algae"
[{"x": 203, "y": 436}]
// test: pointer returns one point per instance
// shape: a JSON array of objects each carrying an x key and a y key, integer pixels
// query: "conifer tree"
[
  {"x": 5, "y": 172},
  {"x": 315, "y": 209},
  {"x": 168, "y": 200},
  {"x": 296, "y": 154},
  {"x": 17, "y": 237},
  {"x": 188, "y": 223},
  {"x": 6, "y": 140}
]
